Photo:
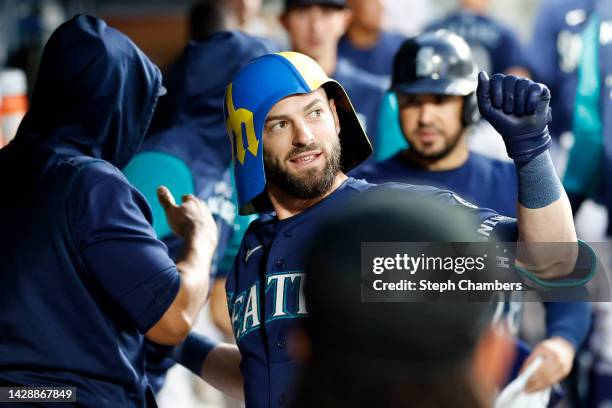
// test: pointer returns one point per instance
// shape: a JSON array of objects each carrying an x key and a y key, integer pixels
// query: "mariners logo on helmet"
[
  {"x": 249, "y": 97},
  {"x": 428, "y": 63},
  {"x": 237, "y": 119}
]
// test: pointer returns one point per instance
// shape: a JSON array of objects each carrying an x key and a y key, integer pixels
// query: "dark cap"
[{"x": 301, "y": 3}]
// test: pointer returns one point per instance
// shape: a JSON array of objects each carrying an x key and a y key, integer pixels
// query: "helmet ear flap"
[
  {"x": 470, "y": 114},
  {"x": 354, "y": 142}
]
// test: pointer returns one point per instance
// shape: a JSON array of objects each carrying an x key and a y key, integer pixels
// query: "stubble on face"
[
  {"x": 311, "y": 183},
  {"x": 450, "y": 142},
  {"x": 431, "y": 124}
]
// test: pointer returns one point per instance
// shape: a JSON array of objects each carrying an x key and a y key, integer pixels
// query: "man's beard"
[
  {"x": 433, "y": 157},
  {"x": 309, "y": 184}
]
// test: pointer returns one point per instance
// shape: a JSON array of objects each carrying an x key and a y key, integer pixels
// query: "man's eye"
[
  {"x": 317, "y": 113},
  {"x": 279, "y": 125},
  {"x": 440, "y": 99},
  {"x": 407, "y": 101}
]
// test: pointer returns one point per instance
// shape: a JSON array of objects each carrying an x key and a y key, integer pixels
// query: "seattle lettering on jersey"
[{"x": 287, "y": 293}]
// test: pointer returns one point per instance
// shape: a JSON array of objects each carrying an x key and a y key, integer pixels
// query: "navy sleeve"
[
  {"x": 117, "y": 244},
  {"x": 490, "y": 224},
  {"x": 493, "y": 226},
  {"x": 570, "y": 320}
]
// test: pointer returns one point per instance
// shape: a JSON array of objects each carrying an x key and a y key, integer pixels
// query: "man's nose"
[
  {"x": 427, "y": 113},
  {"x": 317, "y": 23},
  {"x": 303, "y": 135},
  {"x": 318, "y": 26}
]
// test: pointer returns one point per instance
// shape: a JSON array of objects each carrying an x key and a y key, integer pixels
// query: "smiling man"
[
  {"x": 302, "y": 168},
  {"x": 294, "y": 137}
]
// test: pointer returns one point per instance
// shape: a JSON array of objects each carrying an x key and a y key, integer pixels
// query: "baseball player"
[
  {"x": 314, "y": 28},
  {"x": 295, "y": 136},
  {"x": 495, "y": 48},
  {"x": 83, "y": 279},
  {"x": 435, "y": 116}
]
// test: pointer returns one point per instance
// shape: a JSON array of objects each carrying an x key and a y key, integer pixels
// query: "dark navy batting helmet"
[{"x": 439, "y": 63}]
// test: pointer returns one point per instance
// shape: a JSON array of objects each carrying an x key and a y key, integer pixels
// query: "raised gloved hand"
[{"x": 518, "y": 109}]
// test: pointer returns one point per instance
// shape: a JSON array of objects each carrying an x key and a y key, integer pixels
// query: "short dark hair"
[{"x": 206, "y": 17}]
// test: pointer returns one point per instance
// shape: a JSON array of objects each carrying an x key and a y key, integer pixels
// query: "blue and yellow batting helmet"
[{"x": 249, "y": 98}]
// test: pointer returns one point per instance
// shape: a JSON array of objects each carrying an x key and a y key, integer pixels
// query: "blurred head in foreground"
[{"x": 364, "y": 354}]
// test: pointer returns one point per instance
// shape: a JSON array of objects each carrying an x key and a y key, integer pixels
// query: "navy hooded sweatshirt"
[{"x": 82, "y": 276}]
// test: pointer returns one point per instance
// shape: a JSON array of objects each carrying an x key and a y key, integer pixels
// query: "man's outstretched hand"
[{"x": 190, "y": 219}]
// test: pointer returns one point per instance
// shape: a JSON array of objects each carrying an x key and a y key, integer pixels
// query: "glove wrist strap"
[{"x": 524, "y": 148}]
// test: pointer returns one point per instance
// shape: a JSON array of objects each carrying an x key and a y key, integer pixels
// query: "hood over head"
[{"x": 95, "y": 92}]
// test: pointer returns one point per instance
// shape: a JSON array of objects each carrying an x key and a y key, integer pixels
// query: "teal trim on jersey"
[
  {"x": 149, "y": 170},
  {"x": 563, "y": 283},
  {"x": 287, "y": 316},
  {"x": 583, "y": 171},
  {"x": 390, "y": 137},
  {"x": 237, "y": 318}
]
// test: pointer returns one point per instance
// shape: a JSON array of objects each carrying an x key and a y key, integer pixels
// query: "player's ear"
[
  {"x": 332, "y": 107},
  {"x": 492, "y": 358}
]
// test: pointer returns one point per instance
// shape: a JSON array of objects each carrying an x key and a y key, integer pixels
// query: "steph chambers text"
[{"x": 433, "y": 286}]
